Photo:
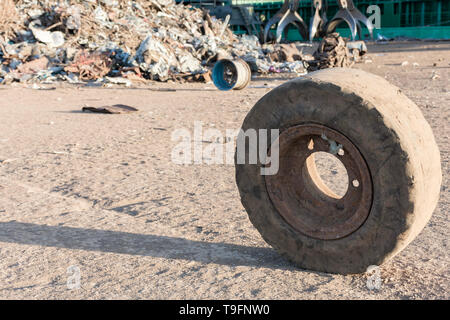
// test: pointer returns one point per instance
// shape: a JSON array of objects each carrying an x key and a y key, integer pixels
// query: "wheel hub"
[{"x": 303, "y": 199}]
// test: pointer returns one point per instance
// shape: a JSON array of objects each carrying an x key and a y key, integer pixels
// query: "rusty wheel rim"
[{"x": 301, "y": 197}]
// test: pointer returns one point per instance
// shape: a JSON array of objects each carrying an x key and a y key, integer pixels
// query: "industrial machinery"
[
  {"x": 405, "y": 18},
  {"x": 319, "y": 25},
  {"x": 287, "y": 15},
  {"x": 242, "y": 16},
  {"x": 348, "y": 13}
]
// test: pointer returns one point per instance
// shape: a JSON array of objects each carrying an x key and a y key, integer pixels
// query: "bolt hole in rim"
[{"x": 302, "y": 197}]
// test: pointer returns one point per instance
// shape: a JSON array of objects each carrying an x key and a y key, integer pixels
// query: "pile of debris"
[
  {"x": 87, "y": 40},
  {"x": 335, "y": 51},
  {"x": 120, "y": 41},
  {"x": 115, "y": 41}
]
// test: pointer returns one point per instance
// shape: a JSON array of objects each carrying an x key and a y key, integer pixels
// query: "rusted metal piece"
[
  {"x": 115, "y": 109},
  {"x": 303, "y": 199},
  {"x": 90, "y": 66},
  {"x": 33, "y": 66}
]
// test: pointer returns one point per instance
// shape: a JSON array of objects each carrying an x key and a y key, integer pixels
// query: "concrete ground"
[{"x": 97, "y": 197}]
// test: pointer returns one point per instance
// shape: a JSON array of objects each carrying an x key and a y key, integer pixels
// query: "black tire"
[{"x": 396, "y": 143}]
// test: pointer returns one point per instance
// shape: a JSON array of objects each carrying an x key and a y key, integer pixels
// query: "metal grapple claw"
[
  {"x": 273, "y": 20},
  {"x": 359, "y": 17},
  {"x": 318, "y": 19},
  {"x": 352, "y": 16},
  {"x": 285, "y": 16},
  {"x": 295, "y": 19}
]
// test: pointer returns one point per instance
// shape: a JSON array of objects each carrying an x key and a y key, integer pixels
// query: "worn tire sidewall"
[{"x": 305, "y": 101}]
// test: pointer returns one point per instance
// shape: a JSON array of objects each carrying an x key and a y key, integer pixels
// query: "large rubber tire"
[{"x": 396, "y": 143}]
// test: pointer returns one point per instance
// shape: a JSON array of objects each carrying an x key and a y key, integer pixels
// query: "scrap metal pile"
[
  {"x": 334, "y": 51},
  {"x": 122, "y": 41}
]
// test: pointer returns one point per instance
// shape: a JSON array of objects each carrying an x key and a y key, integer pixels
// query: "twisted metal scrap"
[
  {"x": 332, "y": 52},
  {"x": 90, "y": 66}
]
